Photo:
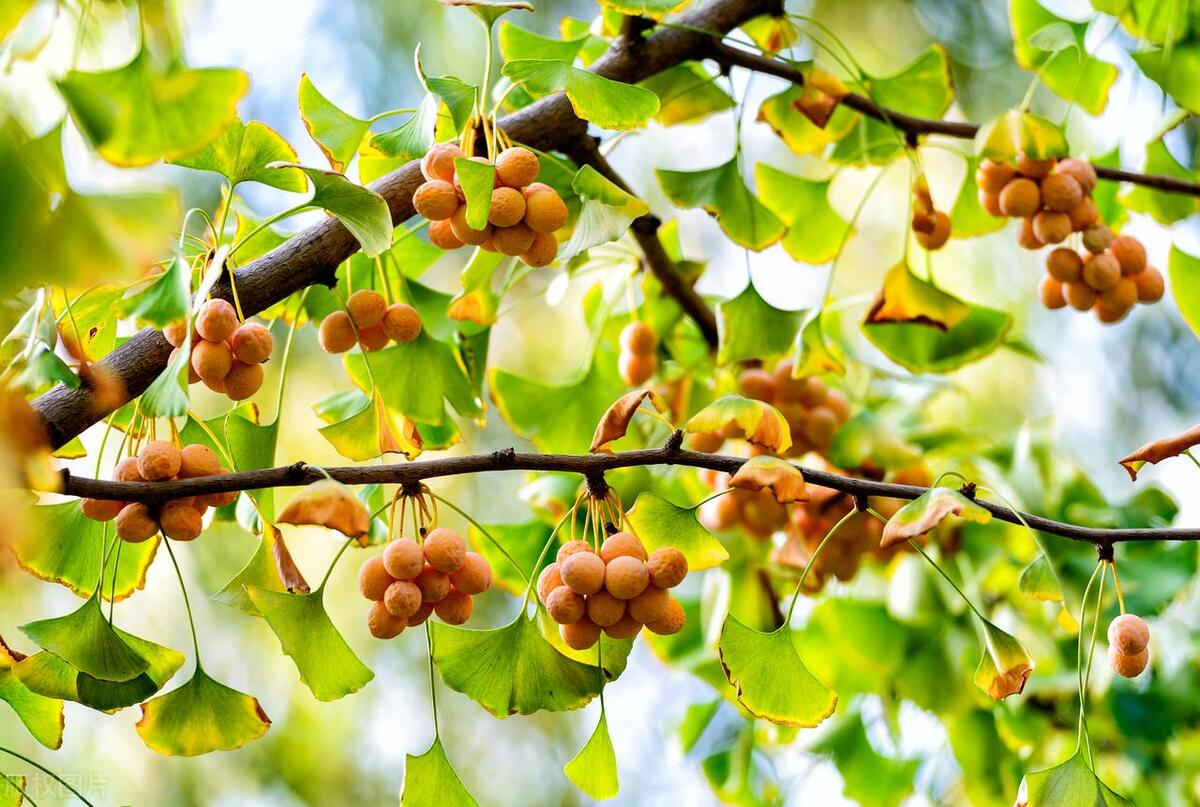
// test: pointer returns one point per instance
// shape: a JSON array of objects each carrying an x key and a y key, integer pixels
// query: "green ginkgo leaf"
[
  {"x": 519, "y": 43},
  {"x": 1071, "y": 784},
  {"x": 606, "y": 213},
  {"x": 869, "y": 777},
  {"x": 1184, "y": 270},
  {"x": 608, "y": 104},
  {"x": 261, "y": 571},
  {"x": 782, "y": 113},
  {"x": 477, "y": 179},
  {"x": 748, "y": 327},
  {"x": 967, "y": 216},
  {"x": 200, "y": 717},
  {"x": 907, "y": 298},
  {"x": 1165, "y": 208},
  {"x": 364, "y": 212},
  {"x": 1039, "y": 582},
  {"x": 769, "y": 677},
  {"x": 139, "y": 113},
  {"x": 167, "y": 395},
  {"x": 327, "y": 665},
  {"x": 923, "y": 349},
  {"x": 242, "y": 152},
  {"x": 660, "y": 523},
  {"x": 928, "y": 510},
  {"x": 759, "y": 421},
  {"x": 1066, "y": 69},
  {"x": 1174, "y": 69},
  {"x": 456, "y": 94},
  {"x": 594, "y": 768},
  {"x": 654, "y": 9},
  {"x": 492, "y": 667},
  {"x": 86, "y": 641},
  {"x": 721, "y": 192},
  {"x": 488, "y": 11},
  {"x": 478, "y": 302},
  {"x": 337, "y": 133},
  {"x": 814, "y": 353},
  {"x": 430, "y": 781},
  {"x": 1019, "y": 132},
  {"x": 815, "y": 230},
  {"x": 165, "y": 299},
  {"x": 43, "y": 716},
  {"x": 12, "y": 790},
  {"x": 364, "y": 428},
  {"x": 686, "y": 94},
  {"x": 411, "y": 139}
]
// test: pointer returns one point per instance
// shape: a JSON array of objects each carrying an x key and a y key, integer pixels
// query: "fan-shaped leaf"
[
  {"x": 43, "y": 716},
  {"x": 928, "y": 510},
  {"x": 760, "y": 422},
  {"x": 1071, "y": 784},
  {"x": 783, "y": 479},
  {"x": 200, "y": 717},
  {"x": 771, "y": 680},
  {"x": 430, "y": 781},
  {"x": 1016, "y": 132},
  {"x": 242, "y": 152},
  {"x": 749, "y": 327},
  {"x": 1054, "y": 49},
  {"x": 723, "y": 194},
  {"x": 815, "y": 231},
  {"x": 337, "y": 133},
  {"x": 594, "y": 768},
  {"x": 606, "y": 213},
  {"x": 86, "y": 641},
  {"x": 660, "y": 523},
  {"x": 364, "y": 212},
  {"x": 363, "y": 428},
  {"x": 1005, "y": 666},
  {"x": 608, "y": 104}
]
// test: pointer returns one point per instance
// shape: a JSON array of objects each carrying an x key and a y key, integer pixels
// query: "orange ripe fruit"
[
  {"x": 638, "y": 338},
  {"x": 604, "y": 609},
  {"x": 337, "y": 333},
  {"x": 1108, "y": 315},
  {"x": 516, "y": 167},
  {"x": 580, "y": 635},
  {"x": 1020, "y": 197},
  {"x": 127, "y": 471},
  {"x": 1129, "y": 634},
  {"x": 626, "y": 577},
  {"x": 667, "y": 567},
  {"x": 991, "y": 177},
  {"x": 218, "y": 499},
  {"x": 403, "y": 559},
  {"x": 159, "y": 460},
  {"x": 243, "y": 380},
  {"x": 1120, "y": 297},
  {"x": 1036, "y": 169},
  {"x": 837, "y": 403},
  {"x": 252, "y": 343},
  {"x": 670, "y": 622},
  {"x": 1084, "y": 215},
  {"x": 180, "y": 520},
  {"x": 101, "y": 509},
  {"x": 542, "y": 251},
  {"x": 508, "y": 207},
  {"x": 1102, "y": 271},
  {"x": 373, "y": 579},
  {"x": 1128, "y": 665},
  {"x": 421, "y": 615},
  {"x": 444, "y": 550},
  {"x": 372, "y": 339},
  {"x": 211, "y": 360},
  {"x": 436, "y": 200},
  {"x": 548, "y": 580},
  {"x": 545, "y": 211},
  {"x": 402, "y": 323},
  {"x": 622, "y": 544},
  {"x": 565, "y": 606},
  {"x": 176, "y": 333},
  {"x": 1079, "y": 295},
  {"x": 464, "y": 232},
  {"x": 624, "y": 628},
  {"x": 1130, "y": 253},
  {"x": 441, "y": 235},
  {"x": 582, "y": 572},
  {"x": 1060, "y": 192},
  {"x": 1051, "y": 227},
  {"x": 991, "y": 203},
  {"x": 434, "y": 585},
  {"x": 1064, "y": 265},
  {"x": 383, "y": 625},
  {"x": 366, "y": 308},
  {"x": 193, "y": 376},
  {"x": 475, "y": 576},
  {"x": 1026, "y": 237},
  {"x": 636, "y": 370},
  {"x": 216, "y": 320},
  {"x": 1081, "y": 171},
  {"x": 135, "y": 524},
  {"x": 1097, "y": 239},
  {"x": 1051, "y": 293},
  {"x": 438, "y": 162},
  {"x": 937, "y": 237},
  {"x": 1150, "y": 285},
  {"x": 512, "y": 240},
  {"x": 402, "y": 599},
  {"x": 570, "y": 548},
  {"x": 758, "y": 384},
  {"x": 650, "y": 605},
  {"x": 455, "y": 609},
  {"x": 198, "y": 460},
  {"x": 821, "y": 427}
]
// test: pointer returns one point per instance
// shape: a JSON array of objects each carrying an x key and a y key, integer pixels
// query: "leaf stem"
[
  {"x": 48, "y": 772},
  {"x": 186, "y": 602},
  {"x": 947, "y": 578},
  {"x": 336, "y": 558},
  {"x": 787, "y": 620}
]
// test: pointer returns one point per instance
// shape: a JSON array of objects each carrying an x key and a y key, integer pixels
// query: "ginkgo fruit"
[
  {"x": 1080, "y": 296},
  {"x": 211, "y": 360},
  {"x": 465, "y": 232},
  {"x": 372, "y": 339},
  {"x": 216, "y": 320},
  {"x": 1130, "y": 254},
  {"x": 1034, "y": 168},
  {"x": 252, "y": 343},
  {"x": 455, "y": 608},
  {"x": 1060, "y": 192},
  {"x": 382, "y": 624},
  {"x": 366, "y": 308},
  {"x": 434, "y": 585},
  {"x": 638, "y": 338},
  {"x": 445, "y": 550},
  {"x": 198, "y": 460},
  {"x": 1027, "y": 237},
  {"x": 937, "y": 236},
  {"x": 243, "y": 380},
  {"x": 1128, "y": 665},
  {"x": 507, "y": 208},
  {"x": 667, "y": 567},
  {"x": 441, "y": 235},
  {"x": 1097, "y": 239},
  {"x": 159, "y": 460},
  {"x": 512, "y": 241},
  {"x": 626, "y": 577},
  {"x": 570, "y": 548},
  {"x": 337, "y": 333},
  {"x": 542, "y": 251},
  {"x": 373, "y": 578},
  {"x": 672, "y": 620},
  {"x": 516, "y": 167},
  {"x": 135, "y": 524},
  {"x": 1051, "y": 227},
  {"x": 604, "y": 609},
  {"x": 1064, "y": 265},
  {"x": 583, "y": 572},
  {"x": 1101, "y": 271},
  {"x": 1051, "y": 293},
  {"x": 180, "y": 521},
  {"x": 565, "y": 606},
  {"x": 101, "y": 509},
  {"x": 423, "y": 613},
  {"x": 401, "y": 323},
  {"x": 474, "y": 576},
  {"x": 402, "y": 598},
  {"x": 176, "y": 333},
  {"x": 438, "y": 162},
  {"x": 991, "y": 176},
  {"x": 650, "y": 605},
  {"x": 436, "y": 200},
  {"x": 624, "y": 628},
  {"x": 580, "y": 635},
  {"x": 622, "y": 544},
  {"x": 545, "y": 211},
  {"x": 403, "y": 559},
  {"x": 1020, "y": 197},
  {"x": 1150, "y": 285},
  {"x": 1129, "y": 634},
  {"x": 548, "y": 580},
  {"x": 1079, "y": 170},
  {"x": 636, "y": 369},
  {"x": 1084, "y": 215}
]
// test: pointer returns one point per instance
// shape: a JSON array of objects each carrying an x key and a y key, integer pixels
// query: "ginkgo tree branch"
[
  {"x": 312, "y": 256},
  {"x": 913, "y": 127},
  {"x": 587, "y": 465}
]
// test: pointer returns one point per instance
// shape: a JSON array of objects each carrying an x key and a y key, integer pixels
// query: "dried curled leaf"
[
  {"x": 783, "y": 479},
  {"x": 1158, "y": 450},
  {"x": 329, "y": 503},
  {"x": 289, "y": 573},
  {"x": 927, "y": 511},
  {"x": 1005, "y": 666},
  {"x": 821, "y": 94},
  {"x": 759, "y": 422},
  {"x": 615, "y": 422}
]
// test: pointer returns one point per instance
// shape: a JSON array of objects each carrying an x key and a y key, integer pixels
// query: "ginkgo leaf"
[
  {"x": 478, "y": 302},
  {"x": 815, "y": 230},
  {"x": 165, "y": 299},
  {"x": 1039, "y": 582},
  {"x": 456, "y": 94},
  {"x": 1173, "y": 69},
  {"x": 1070, "y": 784},
  {"x": 659, "y": 523},
  {"x": 1165, "y": 208},
  {"x": 411, "y": 139},
  {"x": 200, "y": 717},
  {"x": 1066, "y": 68},
  {"x": 242, "y": 152},
  {"x": 772, "y": 33},
  {"x": 769, "y": 677},
  {"x": 686, "y": 94},
  {"x": 364, "y": 212},
  {"x": 723, "y": 194},
  {"x": 337, "y": 133},
  {"x": 760, "y": 422},
  {"x": 594, "y": 768},
  {"x": 43, "y": 716},
  {"x": 12, "y": 790},
  {"x": 928, "y": 510},
  {"x": 783, "y": 479},
  {"x": 363, "y": 428},
  {"x": 615, "y": 422},
  {"x": 86, "y": 641},
  {"x": 815, "y": 354},
  {"x": 608, "y": 104},
  {"x": 1019, "y": 132},
  {"x": 869, "y": 777},
  {"x": 327, "y": 665},
  {"x": 654, "y": 9},
  {"x": 907, "y": 298},
  {"x": 137, "y": 114},
  {"x": 328, "y": 503},
  {"x": 920, "y": 348},
  {"x": 430, "y": 781},
  {"x": 477, "y": 179},
  {"x": 1005, "y": 666},
  {"x": 519, "y": 43},
  {"x": 491, "y": 667},
  {"x": 490, "y": 10},
  {"x": 968, "y": 218},
  {"x": 605, "y": 215},
  {"x": 1158, "y": 450},
  {"x": 270, "y": 567},
  {"x": 167, "y": 395},
  {"x": 782, "y": 113},
  {"x": 750, "y": 327}
]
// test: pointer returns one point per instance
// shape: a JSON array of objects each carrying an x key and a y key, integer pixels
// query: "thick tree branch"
[
  {"x": 584, "y": 464},
  {"x": 645, "y": 231},
  {"x": 913, "y": 127},
  {"x": 313, "y": 255}
]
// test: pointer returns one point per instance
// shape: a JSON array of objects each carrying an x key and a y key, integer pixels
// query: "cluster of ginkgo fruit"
[
  {"x": 412, "y": 580},
  {"x": 179, "y": 519},
  {"x": 369, "y": 322},
  {"x": 637, "y": 360},
  {"x": 1128, "y": 645},
  {"x": 930, "y": 225},
  {"x": 522, "y": 217},
  {"x": 1054, "y": 200},
  {"x": 227, "y": 355},
  {"x": 617, "y": 591}
]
